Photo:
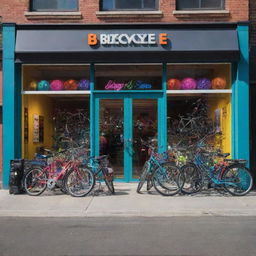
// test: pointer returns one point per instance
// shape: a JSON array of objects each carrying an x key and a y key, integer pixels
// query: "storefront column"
[
  {"x": 162, "y": 114},
  {"x": 240, "y": 98},
  {"x": 92, "y": 112},
  {"x": 9, "y": 100}
]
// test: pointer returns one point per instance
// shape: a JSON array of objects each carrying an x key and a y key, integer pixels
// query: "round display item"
[
  {"x": 173, "y": 84},
  {"x": 84, "y": 84},
  {"x": 203, "y": 84},
  {"x": 219, "y": 83},
  {"x": 56, "y": 85},
  {"x": 43, "y": 85},
  {"x": 188, "y": 84},
  {"x": 70, "y": 84},
  {"x": 33, "y": 85}
]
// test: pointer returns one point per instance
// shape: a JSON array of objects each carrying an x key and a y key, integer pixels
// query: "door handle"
[{"x": 128, "y": 145}]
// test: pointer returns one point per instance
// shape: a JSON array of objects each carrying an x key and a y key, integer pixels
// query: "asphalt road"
[{"x": 175, "y": 236}]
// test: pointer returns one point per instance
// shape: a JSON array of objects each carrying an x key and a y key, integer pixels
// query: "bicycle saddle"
[
  {"x": 223, "y": 155},
  {"x": 100, "y": 157}
]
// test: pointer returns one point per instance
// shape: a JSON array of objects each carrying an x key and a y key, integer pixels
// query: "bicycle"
[
  {"x": 52, "y": 175},
  {"x": 160, "y": 173},
  {"x": 231, "y": 174},
  {"x": 98, "y": 168}
]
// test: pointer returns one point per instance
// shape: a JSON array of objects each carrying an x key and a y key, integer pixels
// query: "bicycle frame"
[
  {"x": 51, "y": 170},
  {"x": 153, "y": 161},
  {"x": 210, "y": 172}
]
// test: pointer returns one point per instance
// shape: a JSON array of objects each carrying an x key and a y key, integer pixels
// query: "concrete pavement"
[{"x": 125, "y": 203}]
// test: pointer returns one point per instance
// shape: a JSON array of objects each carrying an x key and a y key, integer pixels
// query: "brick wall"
[{"x": 13, "y": 11}]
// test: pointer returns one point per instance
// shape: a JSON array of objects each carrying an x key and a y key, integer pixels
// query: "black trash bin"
[{"x": 16, "y": 176}]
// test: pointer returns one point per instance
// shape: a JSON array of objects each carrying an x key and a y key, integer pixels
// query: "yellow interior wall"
[
  {"x": 222, "y": 102},
  {"x": 43, "y": 106}
]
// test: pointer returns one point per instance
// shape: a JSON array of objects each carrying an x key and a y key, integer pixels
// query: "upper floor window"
[
  {"x": 199, "y": 4},
  {"x": 54, "y": 5},
  {"x": 115, "y": 5}
]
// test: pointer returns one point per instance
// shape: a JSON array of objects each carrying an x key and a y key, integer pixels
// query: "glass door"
[
  {"x": 111, "y": 127},
  {"x": 145, "y": 127},
  {"x": 121, "y": 123}
]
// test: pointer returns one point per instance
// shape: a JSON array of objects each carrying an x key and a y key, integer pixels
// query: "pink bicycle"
[{"x": 55, "y": 175}]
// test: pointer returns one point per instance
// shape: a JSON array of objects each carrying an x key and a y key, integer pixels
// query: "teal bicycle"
[
  {"x": 230, "y": 174},
  {"x": 162, "y": 173}
]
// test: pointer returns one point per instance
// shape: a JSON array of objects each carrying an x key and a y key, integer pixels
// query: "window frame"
[
  {"x": 32, "y": 9},
  {"x": 222, "y": 7},
  {"x": 135, "y": 9}
]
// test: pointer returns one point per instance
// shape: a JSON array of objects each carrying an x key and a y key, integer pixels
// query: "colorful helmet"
[
  {"x": 188, "y": 84},
  {"x": 219, "y": 83},
  {"x": 56, "y": 85},
  {"x": 70, "y": 84},
  {"x": 33, "y": 85},
  {"x": 43, "y": 85},
  {"x": 84, "y": 84},
  {"x": 173, "y": 84},
  {"x": 203, "y": 84}
]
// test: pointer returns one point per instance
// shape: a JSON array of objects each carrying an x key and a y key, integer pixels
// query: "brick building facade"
[
  {"x": 229, "y": 17},
  {"x": 89, "y": 12}
]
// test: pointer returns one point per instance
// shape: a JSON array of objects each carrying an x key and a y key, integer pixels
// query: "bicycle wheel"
[
  {"x": 166, "y": 179},
  {"x": 79, "y": 181},
  {"x": 237, "y": 180},
  {"x": 143, "y": 176},
  {"x": 35, "y": 182},
  {"x": 193, "y": 180},
  {"x": 110, "y": 185},
  {"x": 149, "y": 183}
]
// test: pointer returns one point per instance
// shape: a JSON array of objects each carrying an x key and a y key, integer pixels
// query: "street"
[{"x": 174, "y": 236}]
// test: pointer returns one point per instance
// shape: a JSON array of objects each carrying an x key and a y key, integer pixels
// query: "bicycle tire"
[
  {"x": 28, "y": 180},
  {"x": 110, "y": 185},
  {"x": 242, "y": 177},
  {"x": 149, "y": 183},
  {"x": 193, "y": 179},
  {"x": 83, "y": 181},
  {"x": 165, "y": 179},
  {"x": 143, "y": 176}
]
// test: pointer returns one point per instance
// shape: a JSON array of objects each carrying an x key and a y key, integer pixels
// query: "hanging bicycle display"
[{"x": 73, "y": 125}]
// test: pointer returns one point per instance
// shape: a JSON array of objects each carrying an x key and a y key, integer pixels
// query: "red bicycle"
[{"x": 55, "y": 174}]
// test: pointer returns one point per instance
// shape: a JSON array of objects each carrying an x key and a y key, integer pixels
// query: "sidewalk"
[{"x": 126, "y": 202}]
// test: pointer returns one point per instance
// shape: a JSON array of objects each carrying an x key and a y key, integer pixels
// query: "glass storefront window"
[
  {"x": 55, "y": 123},
  {"x": 191, "y": 118},
  {"x": 198, "y": 76},
  {"x": 56, "y": 77},
  {"x": 52, "y": 116},
  {"x": 112, "y": 133},
  {"x": 199, "y": 106},
  {"x": 144, "y": 130},
  {"x": 128, "y": 77}
]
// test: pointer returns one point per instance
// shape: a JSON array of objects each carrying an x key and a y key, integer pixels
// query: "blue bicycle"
[
  {"x": 162, "y": 173},
  {"x": 230, "y": 174}
]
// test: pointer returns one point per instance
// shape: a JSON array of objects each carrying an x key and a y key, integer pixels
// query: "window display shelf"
[
  {"x": 228, "y": 91},
  {"x": 57, "y": 92}
]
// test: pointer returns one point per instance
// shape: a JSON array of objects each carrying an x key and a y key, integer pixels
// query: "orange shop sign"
[{"x": 126, "y": 39}]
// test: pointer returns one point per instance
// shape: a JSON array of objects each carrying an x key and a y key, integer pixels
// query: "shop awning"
[{"x": 127, "y": 43}]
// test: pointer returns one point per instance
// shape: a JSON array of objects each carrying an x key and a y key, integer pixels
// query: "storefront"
[{"x": 112, "y": 85}]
